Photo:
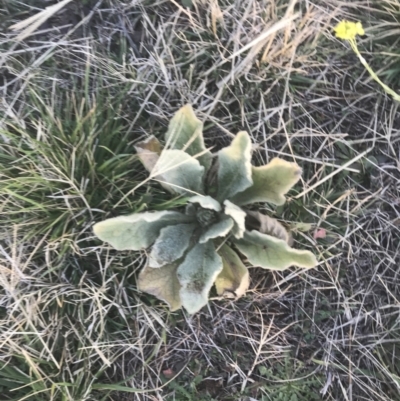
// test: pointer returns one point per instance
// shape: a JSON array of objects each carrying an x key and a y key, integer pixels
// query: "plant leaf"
[
  {"x": 190, "y": 210},
  {"x": 270, "y": 183},
  {"x": 266, "y": 225},
  {"x": 219, "y": 229},
  {"x": 179, "y": 172},
  {"x": 300, "y": 226},
  {"x": 206, "y": 202},
  {"x": 138, "y": 230},
  {"x": 149, "y": 152},
  {"x": 234, "y": 277},
  {"x": 238, "y": 216},
  {"x": 234, "y": 168},
  {"x": 115, "y": 387},
  {"x": 273, "y": 253},
  {"x": 163, "y": 283},
  {"x": 197, "y": 274},
  {"x": 185, "y": 132},
  {"x": 171, "y": 244}
]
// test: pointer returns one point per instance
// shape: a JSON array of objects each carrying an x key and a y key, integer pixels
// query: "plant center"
[{"x": 206, "y": 217}]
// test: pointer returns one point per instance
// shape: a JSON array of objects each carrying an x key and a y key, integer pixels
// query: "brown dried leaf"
[
  {"x": 149, "y": 152},
  {"x": 266, "y": 225}
]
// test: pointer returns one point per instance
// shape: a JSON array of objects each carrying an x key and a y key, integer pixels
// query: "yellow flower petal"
[
  {"x": 360, "y": 29},
  {"x": 348, "y": 30}
]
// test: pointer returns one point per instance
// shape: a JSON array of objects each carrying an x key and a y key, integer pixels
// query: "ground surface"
[{"x": 98, "y": 76}]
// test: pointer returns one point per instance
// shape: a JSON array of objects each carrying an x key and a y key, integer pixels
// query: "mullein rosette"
[{"x": 193, "y": 250}]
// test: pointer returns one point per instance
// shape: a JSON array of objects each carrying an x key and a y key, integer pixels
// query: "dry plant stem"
[{"x": 32, "y": 23}]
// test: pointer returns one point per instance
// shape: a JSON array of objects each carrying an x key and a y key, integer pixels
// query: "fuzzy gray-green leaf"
[
  {"x": 163, "y": 283},
  {"x": 238, "y": 216},
  {"x": 197, "y": 274},
  {"x": 138, "y": 230},
  {"x": 270, "y": 183},
  {"x": 171, "y": 244},
  {"x": 206, "y": 202},
  {"x": 185, "y": 132},
  {"x": 219, "y": 229},
  {"x": 179, "y": 172},
  {"x": 234, "y": 167},
  {"x": 273, "y": 253}
]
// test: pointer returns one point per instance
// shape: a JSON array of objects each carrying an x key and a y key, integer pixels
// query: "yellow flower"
[{"x": 348, "y": 30}]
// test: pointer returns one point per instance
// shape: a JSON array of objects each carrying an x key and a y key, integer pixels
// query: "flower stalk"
[{"x": 347, "y": 30}]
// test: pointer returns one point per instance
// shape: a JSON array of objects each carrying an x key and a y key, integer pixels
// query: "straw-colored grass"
[{"x": 81, "y": 83}]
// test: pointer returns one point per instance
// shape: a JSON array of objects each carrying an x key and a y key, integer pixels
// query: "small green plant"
[
  {"x": 348, "y": 30},
  {"x": 194, "y": 249}
]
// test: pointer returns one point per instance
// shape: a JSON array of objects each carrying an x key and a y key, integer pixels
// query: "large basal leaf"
[
  {"x": 233, "y": 281},
  {"x": 219, "y": 229},
  {"x": 238, "y": 216},
  {"x": 179, "y": 172},
  {"x": 136, "y": 231},
  {"x": 185, "y": 132},
  {"x": 266, "y": 225},
  {"x": 171, "y": 244},
  {"x": 149, "y": 152},
  {"x": 234, "y": 167},
  {"x": 206, "y": 202},
  {"x": 197, "y": 274},
  {"x": 163, "y": 283},
  {"x": 270, "y": 183},
  {"x": 273, "y": 253}
]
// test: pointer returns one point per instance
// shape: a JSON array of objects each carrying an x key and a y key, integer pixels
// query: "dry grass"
[{"x": 98, "y": 76}]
